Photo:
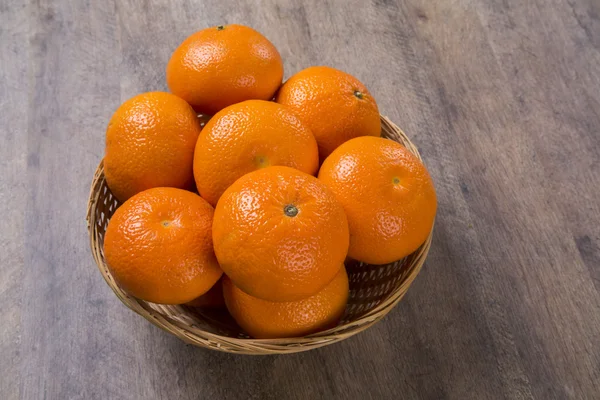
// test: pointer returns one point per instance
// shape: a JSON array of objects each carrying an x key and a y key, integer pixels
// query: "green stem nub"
[
  {"x": 220, "y": 27},
  {"x": 359, "y": 94},
  {"x": 290, "y": 210}
]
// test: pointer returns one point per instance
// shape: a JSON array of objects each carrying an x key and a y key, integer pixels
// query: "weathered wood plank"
[{"x": 13, "y": 188}]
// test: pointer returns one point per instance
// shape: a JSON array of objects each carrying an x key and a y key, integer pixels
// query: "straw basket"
[{"x": 374, "y": 289}]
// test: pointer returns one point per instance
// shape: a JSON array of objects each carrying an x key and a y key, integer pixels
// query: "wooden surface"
[{"x": 503, "y": 99}]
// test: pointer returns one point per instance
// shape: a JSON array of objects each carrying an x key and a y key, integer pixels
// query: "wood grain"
[
  {"x": 13, "y": 188},
  {"x": 503, "y": 100}
]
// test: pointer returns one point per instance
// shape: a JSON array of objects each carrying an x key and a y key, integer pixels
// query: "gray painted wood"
[{"x": 503, "y": 99}]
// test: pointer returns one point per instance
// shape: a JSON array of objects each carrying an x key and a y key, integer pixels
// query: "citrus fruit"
[
  {"x": 280, "y": 234},
  {"x": 387, "y": 194},
  {"x": 247, "y": 136},
  {"x": 224, "y": 65},
  {"x": 265, "y": 319},
  {"x": 333, "y": 104},
  {"x": 158, "y": 246},
  {"x": 150, "y": 143},
  {"x": 211, "y": 299}
]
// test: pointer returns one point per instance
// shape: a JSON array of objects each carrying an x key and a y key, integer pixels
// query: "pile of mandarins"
[{"x": 279, "y": 187}]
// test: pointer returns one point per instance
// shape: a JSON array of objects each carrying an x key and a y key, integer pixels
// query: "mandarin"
[
  {"x": 387, "y": 194},
  {"x": 223, "y": 65},
  {"x": 247, "y": 136},
  {"x": 211, "y": 299},
  {"x": 150, "y": 142},
  {"x": 333, "y": 104},
  {"x": 158, "y": 246},
  {"x": 280, "y": 234},
  {"x": 264, "y": 319}
]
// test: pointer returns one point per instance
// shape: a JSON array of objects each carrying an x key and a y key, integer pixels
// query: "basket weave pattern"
[{"x": 374, "y": 289}]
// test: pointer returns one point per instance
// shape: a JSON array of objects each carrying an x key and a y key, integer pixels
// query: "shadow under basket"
[{"x": 374, "y": 289}]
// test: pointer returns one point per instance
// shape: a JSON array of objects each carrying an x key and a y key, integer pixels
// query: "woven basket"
[{"x": 374, "y": 289}]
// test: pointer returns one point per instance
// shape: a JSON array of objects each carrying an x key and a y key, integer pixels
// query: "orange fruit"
[
  {"x": 387, "y": 194},
  {"x": 158, "y": 246},
  {"x": 150, "y": 143},
  {"x": 223, "y": 65},
  {"x": 211, "y": 299},
  {"x": 333, "y": 104},
  {"x": 247, "y": 136},
  {"x": 265, "y": 319},
  {"x": 280, "y": 234}
]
